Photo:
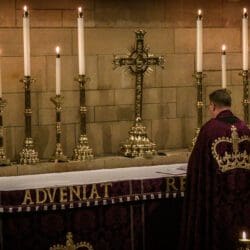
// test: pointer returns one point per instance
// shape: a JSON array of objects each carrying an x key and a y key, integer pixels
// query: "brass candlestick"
[
  {"x": 138, "y": 62},
  {"x": 3, "y": 160},
  {"x": 28, "y": 154},
  {"x": 244, "y": 244},
  {"x": 246, "y": 101},
  {"x": 58, "y": 156},
  {"x": 199, "y": 104},
  {"x": 82, "y": 151}
]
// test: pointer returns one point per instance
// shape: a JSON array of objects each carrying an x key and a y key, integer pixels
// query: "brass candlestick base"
[
  {"x": 28, "y": 155},
  {"x": 244, "y": 244},
  {"x": 138, "y": 144},
  {"x": 82, "y": 151},
  {"x": 199, "y": 104},
  {"x": 246, "y": 101},
  {"x": 58, "y": 156},
  {"x": 3, "y": 160}
]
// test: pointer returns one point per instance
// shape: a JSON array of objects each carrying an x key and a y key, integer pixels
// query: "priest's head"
[{"x": 220, "y": 100}]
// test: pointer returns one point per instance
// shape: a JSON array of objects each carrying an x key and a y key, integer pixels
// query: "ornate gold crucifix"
[{"x": 138, "y": 62}]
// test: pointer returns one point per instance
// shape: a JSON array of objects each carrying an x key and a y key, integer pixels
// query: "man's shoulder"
[
  {"x": 209, "y": 124},
  {"x": 215, "y": 126}
]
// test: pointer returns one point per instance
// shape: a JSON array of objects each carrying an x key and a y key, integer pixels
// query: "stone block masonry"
[{"x": 169, "y": 109}]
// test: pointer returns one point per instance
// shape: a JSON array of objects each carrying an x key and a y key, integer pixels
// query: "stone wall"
[{"x": 169, "y": 109}]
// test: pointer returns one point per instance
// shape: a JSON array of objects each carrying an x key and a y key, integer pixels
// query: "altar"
[{"x": 122, "y": 208}]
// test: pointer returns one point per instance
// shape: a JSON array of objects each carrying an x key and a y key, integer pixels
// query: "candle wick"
[{"x": 25, "y": 14}]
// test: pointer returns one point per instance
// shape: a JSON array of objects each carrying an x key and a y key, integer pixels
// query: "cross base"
[
  {"x": 83, "y": 151},
  {"x": 28, "y": 154},
  {"x": 138, "y": 144}
]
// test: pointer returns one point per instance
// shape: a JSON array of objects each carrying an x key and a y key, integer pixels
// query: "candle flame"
[
  {"x": 25, "y": 8},
  {"x": 244, "y": 235},
  {"x": 79, "y": 9},
  {"x": 57, "y": 50},
  {"x": 199, "y": 12},
  {"x": 244, "y": 11},
  {"x": 223, "y": 47}
]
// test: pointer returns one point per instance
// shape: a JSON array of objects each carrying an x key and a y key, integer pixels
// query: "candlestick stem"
[
  {"x": 199, "y": 104},
  {"x": 28, "y": 155},
  {"x": 3, "y": 160},
  {"x": 246, "y": 101},
  {"x": 82, "y": 150},
  {"x": 58, "y": 156}
]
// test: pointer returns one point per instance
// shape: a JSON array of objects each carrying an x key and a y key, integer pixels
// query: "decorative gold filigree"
[
  {"x": 236, "y": 159},
  {"x": 70, "y": 244}
]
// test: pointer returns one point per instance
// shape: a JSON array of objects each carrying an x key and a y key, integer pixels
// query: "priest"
[{"x": 217, "y": 199}]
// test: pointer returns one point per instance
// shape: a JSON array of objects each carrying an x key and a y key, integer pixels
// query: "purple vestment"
[{"x": 217, "y": 203}]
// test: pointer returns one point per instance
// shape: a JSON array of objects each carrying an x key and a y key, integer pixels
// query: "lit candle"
[
  {"x": 223, "y": 67},
  {"x": 244, "y": 238},
  {"x": 81, "y": 52},
  {"x": 26, "y": 41},
  {"x": 58, "y": 71},
  {"x": 199, "y": 42},
  {"x": 245, "y": 39},
  {"x": 244, "y": 235}
]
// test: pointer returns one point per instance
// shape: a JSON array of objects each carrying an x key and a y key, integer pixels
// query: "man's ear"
[{"x": 214, "y": 107}]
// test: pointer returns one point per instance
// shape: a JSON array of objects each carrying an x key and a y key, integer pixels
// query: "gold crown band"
[
  {"x": 236, "y": 159},
  {"x": 70, "y": 244}
]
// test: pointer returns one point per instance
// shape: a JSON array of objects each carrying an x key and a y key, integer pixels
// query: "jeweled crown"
[
  {"x": 71, "y": 246},
  {"x": 234, "y": 159}
]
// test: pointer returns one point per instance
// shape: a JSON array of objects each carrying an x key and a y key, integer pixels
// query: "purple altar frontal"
[
  {"x": 128, "y": 208},
  {"x": 88, "y": 188}
]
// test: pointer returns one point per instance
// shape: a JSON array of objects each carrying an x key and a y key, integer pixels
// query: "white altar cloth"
[{"x": 90, "y": 176}]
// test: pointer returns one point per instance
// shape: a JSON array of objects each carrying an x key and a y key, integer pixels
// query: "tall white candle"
[
  {"x": 26, "y": 41},
  {"x": 245, "y": 39},
  {"x": 223, "y": 67},
  {"x": 81, "y": 50},
  {"x": 58, "y": 71},
  {"x": 199, "y": 47}
]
